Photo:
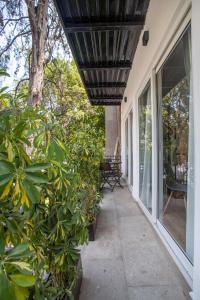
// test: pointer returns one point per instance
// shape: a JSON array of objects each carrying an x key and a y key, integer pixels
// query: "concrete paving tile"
[
  {"x": 168, "y": 292},
  {"x": 105, "y": 246},
  {"x": 127, "y": 209},
  {"x": 127, "y": 258},
  {"x": 147, "y": 264},
  {"x": 135, "y": 228},
  {"x": 103, "y": 280},
  {"x": 122, "y": 195},
  {"x": 107, "y": 217}
]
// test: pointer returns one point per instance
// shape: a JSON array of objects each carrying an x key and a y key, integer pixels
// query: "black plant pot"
[
  {"x": 76, "y": 290},
  {"x": 92, "y": 229}
]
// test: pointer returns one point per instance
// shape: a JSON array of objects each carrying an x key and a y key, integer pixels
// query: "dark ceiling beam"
[
  {"x": 107, "y": 98},
  {"x": 104, "y": 25},
  {"x": 102, "y": 85},
  {"x": 105, "y": 66},
  {"x": 106, "y": 103}
]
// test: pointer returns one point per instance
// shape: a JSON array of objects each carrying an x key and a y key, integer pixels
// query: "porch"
[{"x": 127, "y": 260}]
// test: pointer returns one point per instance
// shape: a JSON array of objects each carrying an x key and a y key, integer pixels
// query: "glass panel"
[
  {"x": 145, "y": 148},
  {"x": 176, "y": 211},
  {"x": 131, "y": 147},
  {"x": 126, "y": 148}
]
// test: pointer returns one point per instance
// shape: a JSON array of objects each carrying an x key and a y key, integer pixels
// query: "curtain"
[
  {"x": 190, "y": 177},
  {"x": 146, "y": 184}
]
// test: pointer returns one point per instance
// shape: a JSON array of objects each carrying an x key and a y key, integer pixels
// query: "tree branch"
[{"x": 13, "y": 40}]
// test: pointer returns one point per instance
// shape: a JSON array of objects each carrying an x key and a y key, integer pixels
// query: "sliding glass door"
[
  {"x": 176, "y": 203},
  {"x": 129, "y": 148},
  {"x": 126, "y": 148},
  {"x": 145, "y": 148}
]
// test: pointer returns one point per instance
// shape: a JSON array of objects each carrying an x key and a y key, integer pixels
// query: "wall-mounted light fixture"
[
  {"x": 125, "y": 99},
  {"x": 145, "y": 38}
]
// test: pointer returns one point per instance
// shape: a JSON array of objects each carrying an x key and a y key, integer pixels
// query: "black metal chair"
[
  {"x": 110, "y": 171},
  {"x": 173, "y": 186}
]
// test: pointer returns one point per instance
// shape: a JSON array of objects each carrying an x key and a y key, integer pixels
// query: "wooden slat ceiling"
[{"x": 103, "y": 37}]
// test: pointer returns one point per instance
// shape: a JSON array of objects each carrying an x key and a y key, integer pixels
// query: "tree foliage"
[
  {"x": 32, "y": 34},
  {"x": 49, "y": 184}
]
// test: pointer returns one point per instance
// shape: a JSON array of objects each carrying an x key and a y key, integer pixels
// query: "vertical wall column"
[
  {"x": 112, "y": 128},
  {"x": 196, "y": 99}
]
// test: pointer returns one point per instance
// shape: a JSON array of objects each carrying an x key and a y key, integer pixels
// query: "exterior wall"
[
  {"x": 113, "y": 128},
  {"x": 165, "y": 21}
]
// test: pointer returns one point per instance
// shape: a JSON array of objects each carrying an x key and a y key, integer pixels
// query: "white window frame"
[{"x": 180, "y": 257}]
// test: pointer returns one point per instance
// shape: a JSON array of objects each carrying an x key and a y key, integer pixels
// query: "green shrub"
[{"x": 49, "y": 192}]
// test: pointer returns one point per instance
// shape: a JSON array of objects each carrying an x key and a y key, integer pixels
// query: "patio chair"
[
  {"x": 110, "y": 170},
  {"x": 174, "y": 187}
]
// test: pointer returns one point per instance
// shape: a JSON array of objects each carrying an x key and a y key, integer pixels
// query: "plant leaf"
[
  {"x": 55, "y": 151},
  {"x": 6, "y": 167},
  {"x": 37, "y": 167},
  {"x": 6, "y": 289},
  {"x": 23, "y": 280},
  {"x": 10, "y": 152},
  {"x": 36, "y": 178},
  {"x": 2, "y": 242},
  {"x": 4, "y": 179},
  {"x": 21, "y": 293},
  {"x": 4, "y": 73},
  {"x": 18, "y": 250},
  {"x": 22, "y": 265},
  {"x": 6, "y": 190},
  {"x": 31, "y": 191}
]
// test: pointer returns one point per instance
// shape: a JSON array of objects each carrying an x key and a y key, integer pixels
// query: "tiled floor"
[{"x": 127, "y": 261}]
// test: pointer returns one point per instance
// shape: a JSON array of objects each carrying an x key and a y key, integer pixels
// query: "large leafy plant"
[{"x": 49, "y": 191}]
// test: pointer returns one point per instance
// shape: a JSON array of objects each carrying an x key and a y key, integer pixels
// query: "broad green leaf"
[
  {"x": 4, "y": 179},
  {"x": 18, "y": 250},
  {"x": 22, "y": 265},
  {"x": 55, "y": 151},
  {"x": 36, "y": 178},
  {"x": 23, "y": 280},
  {"x": 6, "y": 289},
  {"x": 21, "y": 293},
  {"x": 24, "y": 154},
  {"x": 31, "y": 191},
  {"x": 2, "y": 242},
  {"x": 38, "y": 139},
  {"x": 37, "y": 167},
  {"x": 19, "y": 128},
  {"x": 6, "y": 190},
  {"x": 10, "y": 152},
  {"x": 12, "y": 226},
  {"x": 6, "y": 167},
  {"x": 61, "y": 145}
]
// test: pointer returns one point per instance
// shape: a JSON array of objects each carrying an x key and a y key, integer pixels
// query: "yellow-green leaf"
[
  {"x": 10, "y": 152},
  {"x": 23, "y": 280},
  {"x": 6, "y": 190},
  {"x": 21, "y": 293}
]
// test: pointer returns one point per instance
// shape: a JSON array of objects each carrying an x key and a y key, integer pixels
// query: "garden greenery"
[{"x": 49, "y": 187}]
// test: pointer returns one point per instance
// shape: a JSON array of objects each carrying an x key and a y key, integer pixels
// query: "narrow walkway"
[{"x": 128, "y": 261}]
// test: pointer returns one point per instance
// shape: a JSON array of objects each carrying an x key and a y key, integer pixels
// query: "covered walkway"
[{"x": 128, "y": 261}]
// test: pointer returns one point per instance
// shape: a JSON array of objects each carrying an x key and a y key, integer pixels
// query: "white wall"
[
  {"x": 111, "y": 127},
  {"x": 165, "y": 21}
]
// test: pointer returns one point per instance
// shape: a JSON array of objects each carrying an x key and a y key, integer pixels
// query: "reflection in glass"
[
  {"x": 176, "y": 145},
  {"x": 145, "y": 148},
  {"x": 126, "y": 148},
  {"x": 131, "y": 147}
]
